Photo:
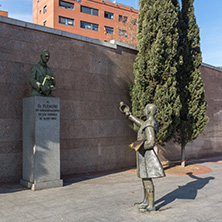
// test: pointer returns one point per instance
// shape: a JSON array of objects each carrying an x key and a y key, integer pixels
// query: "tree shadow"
[
  {"x": 211, "y": 159},
  {"x": 188, "y": 191}
]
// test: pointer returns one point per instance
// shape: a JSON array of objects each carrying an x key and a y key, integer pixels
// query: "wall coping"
[
  {"x": 211, "y": 67},
  {"x": 112, "y": 44}
]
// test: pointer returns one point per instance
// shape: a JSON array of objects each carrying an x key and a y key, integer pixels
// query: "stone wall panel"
[{"x": 92, "y": 78}]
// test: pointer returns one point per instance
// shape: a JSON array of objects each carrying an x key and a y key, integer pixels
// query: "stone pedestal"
[{"x": 41, "y": 143}]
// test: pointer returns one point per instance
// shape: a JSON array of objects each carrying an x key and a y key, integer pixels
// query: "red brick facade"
[
  {"x": 99, "y": 19},
  {"x": 3, "y": 13}
]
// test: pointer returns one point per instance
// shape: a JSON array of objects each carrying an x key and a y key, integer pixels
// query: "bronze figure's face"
[
  {"x": 45, "y": 55},
  {"x": 150, "y": 109}
]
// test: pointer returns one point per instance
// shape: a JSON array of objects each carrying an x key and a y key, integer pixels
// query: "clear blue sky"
[{"x": 208, "y": 14}]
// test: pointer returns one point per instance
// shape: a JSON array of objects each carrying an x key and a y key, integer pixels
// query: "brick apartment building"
[
  {"x": 3, "y": 13},
  {"x": 99, "y": 19}
]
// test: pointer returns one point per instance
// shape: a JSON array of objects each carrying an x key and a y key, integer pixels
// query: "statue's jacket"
[
  {"x": 37, "y": 75},
  {"x": 148, "y": 163}
]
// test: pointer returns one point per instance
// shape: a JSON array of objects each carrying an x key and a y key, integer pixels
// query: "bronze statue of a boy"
[
  {"x": 148, "y": 164},
  {"x": 41, "y": 77}
]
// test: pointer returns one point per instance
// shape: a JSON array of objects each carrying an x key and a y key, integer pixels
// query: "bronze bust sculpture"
[
  {"x": 41, "y": 77},
  {"x": 148, "y": 164}
]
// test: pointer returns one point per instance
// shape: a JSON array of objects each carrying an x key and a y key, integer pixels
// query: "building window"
[
  {"x": 90, "y": 26},
  {"x": 134, "y": 21},
  {"x": 66, "y": 5},
  {"x": 90, "y": 11},
  {"x": 108, "y": 30},
  {"x": 44, "y": 9},
  {"x": 66, "y": 21},
  {"x": 44, "y": 23},
  {"x": 123, "y": 33},
  {"x": 108, "y": 15},
  {"x": 123, "y": 18}
]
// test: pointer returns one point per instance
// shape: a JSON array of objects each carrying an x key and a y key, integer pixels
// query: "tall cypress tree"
[
  {"x": 156, "y": 64},
  {"x": 189, "y": 82}
]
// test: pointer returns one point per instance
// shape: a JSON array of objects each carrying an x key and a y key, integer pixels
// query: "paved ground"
[{"x": 110, "y": 198}]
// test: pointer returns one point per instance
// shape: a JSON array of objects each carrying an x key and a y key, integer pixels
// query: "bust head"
[{"x": 45, "y": 55}]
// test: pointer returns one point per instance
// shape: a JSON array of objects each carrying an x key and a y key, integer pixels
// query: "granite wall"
[
  {"x": 209, "y": 143},
  {"x": 92, "y": 78}
]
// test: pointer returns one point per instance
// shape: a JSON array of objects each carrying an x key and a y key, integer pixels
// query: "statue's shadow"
[{"x": 188, "y": 191}]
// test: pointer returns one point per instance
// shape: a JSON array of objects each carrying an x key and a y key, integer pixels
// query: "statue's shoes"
[
  {"x": 147, "y": 209},
  {"x": 141, "y": 205}
]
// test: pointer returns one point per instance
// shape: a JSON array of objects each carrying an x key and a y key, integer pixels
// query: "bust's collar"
[{"x": 43, "y": 64}]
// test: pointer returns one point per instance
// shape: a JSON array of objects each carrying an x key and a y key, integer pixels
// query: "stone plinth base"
[
  {"x": 41, "y": 185},
  {"x": 41, "y": 142}
]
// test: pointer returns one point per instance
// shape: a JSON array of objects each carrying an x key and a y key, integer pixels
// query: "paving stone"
[{"x": 111, "y": 198}]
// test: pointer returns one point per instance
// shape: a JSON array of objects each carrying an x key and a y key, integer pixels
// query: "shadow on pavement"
[
  {"x": 75, "y": 178},
  {"x": 188, "y": 191},
  {"x": 213, "y": 159},
  {"x": 11, "y": 188},
  {"x": 69, "y": 181}
]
